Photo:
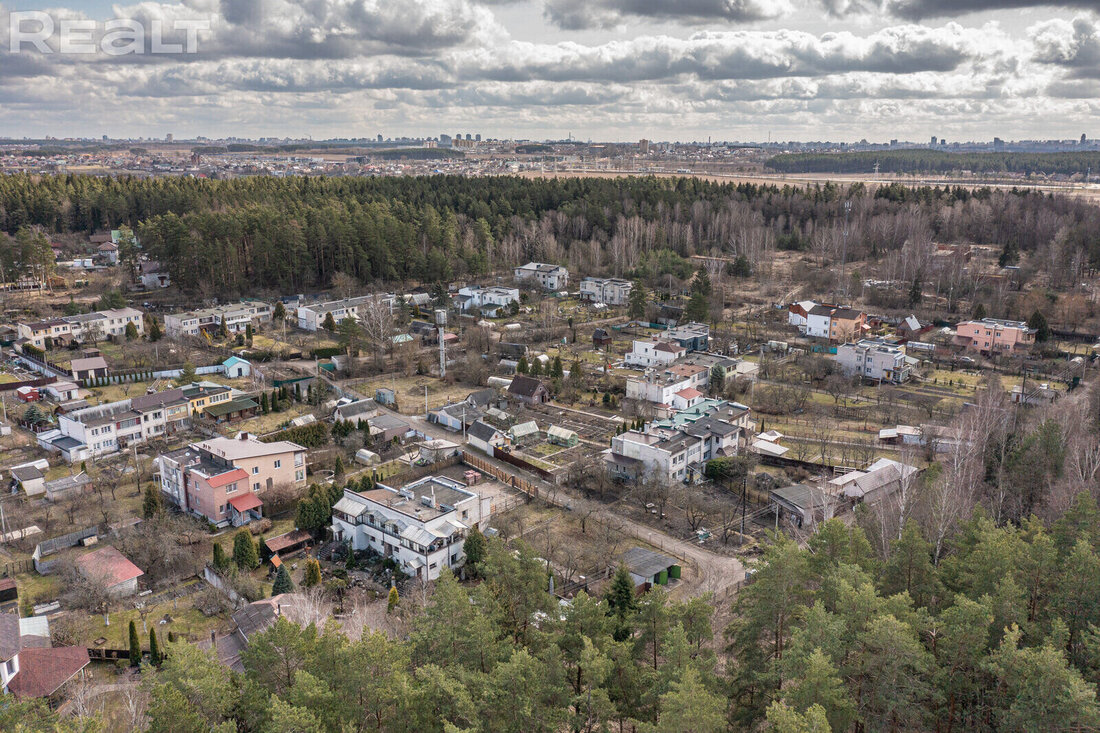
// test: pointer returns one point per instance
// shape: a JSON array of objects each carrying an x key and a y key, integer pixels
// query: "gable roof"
[
  {"x": 42, "y": 671},
  {"x": 482, "y": 431},
  {"x": 92, "y": 362},
  {"x": 524, "y": 386},
  {"x": 110, "y": 565}
]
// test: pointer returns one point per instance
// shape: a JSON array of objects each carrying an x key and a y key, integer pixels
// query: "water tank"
[{"x": 441, "y": 317}]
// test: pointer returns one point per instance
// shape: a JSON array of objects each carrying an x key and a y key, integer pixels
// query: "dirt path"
[{"x": 716, "y": 574}]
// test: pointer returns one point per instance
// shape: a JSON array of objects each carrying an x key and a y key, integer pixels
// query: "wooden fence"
[
  {"x": 527, "y": 487},
  {"x": 518, "y": 462}
]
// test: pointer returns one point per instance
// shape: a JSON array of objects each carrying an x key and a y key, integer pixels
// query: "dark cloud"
[
  {"x": 584, "y": 14},
  {"x": 921, "y": 9}
]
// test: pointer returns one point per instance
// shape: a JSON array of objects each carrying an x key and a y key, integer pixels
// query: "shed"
[
  {"x": 68, "y": 485},
  {"x": 801, "y": 503},
  {"x": 8, "y": 590},
  {"x": 437, "y": 450},
  {"x": 601, "y": 337},
  {"x": 289, "y": 543},
  {"x": 485, "y": 437},
  {"x": 562, "y": 436},
  {"x": 648, "y": 568},
  {"x": 29, "y": 478},
  {"x": 235, "y": 366},
  {"x": 110, "y": 567},
  {"x": 235, "y": 409}
]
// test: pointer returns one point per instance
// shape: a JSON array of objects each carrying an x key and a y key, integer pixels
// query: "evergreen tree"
[
  {"x": 522, "y": 367},
  {"x": 556, "y": 370},
  {"x": 187, "y": 375},
  {"x": 245, "y": 553},
  {"x": 131, "y": 332},
  {"x": 313, "y": 573},
  {"x": 135, "y": 645},
  {"x": 915, "y": 292},
  {"x": 1042, "y": 329},
  {"x": 221, "y": 562},
  {"x": 636, "y": 302},
  {"x": 329, "y": 324},
  {"x": 155, "y": 332},
  {"x": 248, "y": 332},
  {"x": 979, "y": 311},
  {"x": 475, "y": 548},
  {"x": 283, "y": 583},
  {"x": 265, "y": 406},
  {"x": 278, "y": 313},
  {"x": 154, "y": 648},
  {"x": 151, "y": 502},
  {"x": 338, "y": 471},
  {"x": 393, "y": 600},
  {"x": 698, "y": 308},
  {"x": 621, "y": 602}
]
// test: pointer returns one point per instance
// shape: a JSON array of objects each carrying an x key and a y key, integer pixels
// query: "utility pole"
[
  {"x": 844, "y": 253},
  {"x": 744, "y": 497}
]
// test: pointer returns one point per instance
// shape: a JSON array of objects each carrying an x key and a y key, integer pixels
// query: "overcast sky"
[{"x": 599, "y": 69}]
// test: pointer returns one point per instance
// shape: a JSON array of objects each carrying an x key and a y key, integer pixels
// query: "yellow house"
[{"x": 199, "y": 397}]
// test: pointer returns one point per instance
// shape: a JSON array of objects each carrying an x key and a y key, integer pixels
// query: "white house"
[
  {"x": 237, "y": 317},
  {"x": 609, "y": 291},
  {"x": 312, "y": 317},
  {"x": 874, "y": 359},
  {"x": 798, "y": 314},
  {"x": 654, "y": 352},
  {"x": 551, "y": 277},
  {"x": 83, "y": 327},
  {"x": 485, "y": 437},
  {"x": 422, "y": 526},
  {"x": 492, "y": 302}
]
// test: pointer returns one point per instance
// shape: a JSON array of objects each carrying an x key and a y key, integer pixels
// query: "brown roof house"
[
  {"x": 528, "y": 389},
  {"x": 29, "y": 665},
  {"x": 110, "y": 567}
]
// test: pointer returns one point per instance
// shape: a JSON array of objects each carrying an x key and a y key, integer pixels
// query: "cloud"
[
  {"x": 921, "y": 9},
  {"x": 742, "y": 55},
  {"x": 1073, "y": 46},
  {"x": 586, "y": 14}
]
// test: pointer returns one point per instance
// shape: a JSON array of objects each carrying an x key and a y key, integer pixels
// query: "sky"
[{"x": 609, "y": 70}]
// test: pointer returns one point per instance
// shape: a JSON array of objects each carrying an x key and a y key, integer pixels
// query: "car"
[{"x": 967, "y": 360}]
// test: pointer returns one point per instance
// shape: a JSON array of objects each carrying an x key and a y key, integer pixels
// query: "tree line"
[
  {"x": 257, "y": 235},
  {"x": 935, "y": 161}
]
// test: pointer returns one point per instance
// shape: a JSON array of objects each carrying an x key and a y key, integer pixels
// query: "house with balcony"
[
  {"x": 677, "y": 448},
  {"x": 491, "y": 302},
  {"x": 550, "y": 277},
  {"x": 995, "y": 336},
  {"x": 236, "y": 316},
  {"x": 421, "y": 526},
  {"x": 313, "y": 317},
  {"x": 223, "y": 479},
  {"x": 874, "y": 359},
  {"x": 609, "y": 291},
  {"x": 82, "y": 328}
]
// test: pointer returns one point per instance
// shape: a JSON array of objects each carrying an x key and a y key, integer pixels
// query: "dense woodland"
[
  {"x": 936, "y": 161},
  {"x": 252, "y": 235}
]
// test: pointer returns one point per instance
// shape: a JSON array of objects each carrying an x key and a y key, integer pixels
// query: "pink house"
[{"x": 994, "y": 335}]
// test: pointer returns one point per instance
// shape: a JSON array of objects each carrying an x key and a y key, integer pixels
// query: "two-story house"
[
  {"x": 313, "y": 317},
  {"x": 223, "y": 479},
  {"x": 609, "y": 291},
  {"x": 875, "y": 359},
  {"x": 836, "y": 323},
  {"x": 993, "y": 335},
  {"x": 550, "y": 277},
  {"x": 236, "y": 316},
  {"x": 492, "y": 302},
  {"x": 422, "y": 526}
]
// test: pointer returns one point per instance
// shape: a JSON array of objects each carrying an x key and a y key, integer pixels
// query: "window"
[
  {"x": 256, "y": 486},
  {"x": 231, "y": 488},
  {"x": 299, "y": 475},
  {"x": 278, "y": 464},
  {"x": 255, "y": 470}
]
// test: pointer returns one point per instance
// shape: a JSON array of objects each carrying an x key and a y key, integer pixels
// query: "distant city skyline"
[{"x": 609, "y": 70}]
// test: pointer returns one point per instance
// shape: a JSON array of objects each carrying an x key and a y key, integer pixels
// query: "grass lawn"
[
  {"x": 186, "y": 621},
  {"x": 263, "y": 424},
  {"x": 6, "y": 378},
  {"x": 410, "y": 391}
]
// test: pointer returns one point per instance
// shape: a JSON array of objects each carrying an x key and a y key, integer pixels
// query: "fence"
[
  {"x": 11, "y": 569},
  {"x": 56, "y": 544},
  {"x": 518, "y": 462},
  {"x": 101, "y": 654},
  {"x": 11, "y": 386},
  {"x": 211, "y": 576},
  {"x": 483, "y": 465}
]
